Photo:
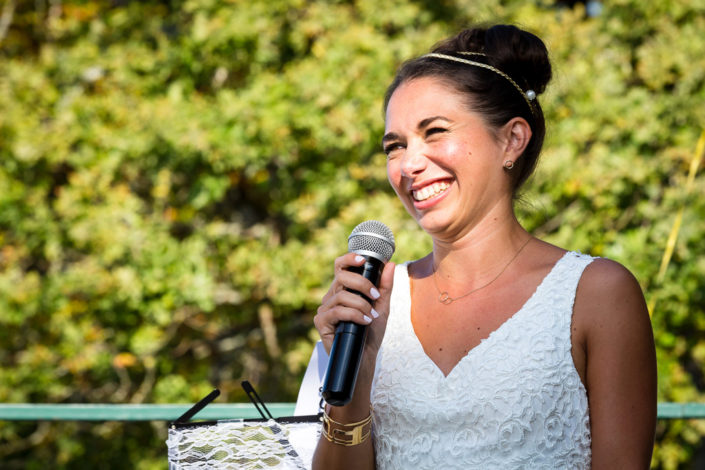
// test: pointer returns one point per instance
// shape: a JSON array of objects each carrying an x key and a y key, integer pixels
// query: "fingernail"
[
  {"x": 374, "y": 293},
  {"x": 367, "y": 319},
  {"x": 359, "y": 258},
  {"x": 374, "y": 313}
]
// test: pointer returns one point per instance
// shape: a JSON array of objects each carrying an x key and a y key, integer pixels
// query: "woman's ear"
[{"x": 516, "y": 135}]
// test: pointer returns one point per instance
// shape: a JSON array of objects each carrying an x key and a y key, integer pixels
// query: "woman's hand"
[{"x": 341, "y": 305}]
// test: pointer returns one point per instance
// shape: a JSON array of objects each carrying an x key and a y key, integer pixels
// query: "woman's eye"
[
  {"x": 392, "y": 147},
  {"x": 435, "y": 130}
]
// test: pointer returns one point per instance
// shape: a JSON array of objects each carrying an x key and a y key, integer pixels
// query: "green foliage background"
[{"x": 176, "y": 178}]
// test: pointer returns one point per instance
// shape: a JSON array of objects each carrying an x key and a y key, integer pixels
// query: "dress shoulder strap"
[{"x": 561, "y": 286}]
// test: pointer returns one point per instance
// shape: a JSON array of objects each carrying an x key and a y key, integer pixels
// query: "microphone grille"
[{"x": 372, "y": 238}]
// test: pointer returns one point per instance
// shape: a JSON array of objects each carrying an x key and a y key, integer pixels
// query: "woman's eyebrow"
[
  {"x": 389, "y": 136},
  {"x": 426, "y": 122}
]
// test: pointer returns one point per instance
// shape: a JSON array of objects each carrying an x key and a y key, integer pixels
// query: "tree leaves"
[{"x": 176, "y": 179}]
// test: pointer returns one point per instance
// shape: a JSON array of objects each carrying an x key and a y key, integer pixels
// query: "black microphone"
[{"x": 375, "y": 242}]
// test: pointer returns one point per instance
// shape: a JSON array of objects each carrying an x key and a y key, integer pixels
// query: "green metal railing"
[{"x": 145, "y": 412}]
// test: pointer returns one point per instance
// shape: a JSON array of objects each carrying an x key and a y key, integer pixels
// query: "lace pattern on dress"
[{"x": 514, "y": 401}]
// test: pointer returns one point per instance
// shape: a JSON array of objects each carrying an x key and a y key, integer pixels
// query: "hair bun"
[{"x": 518, "y": 53}]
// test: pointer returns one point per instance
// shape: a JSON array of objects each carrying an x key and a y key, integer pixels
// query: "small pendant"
[{"x": 444, "y": 298}]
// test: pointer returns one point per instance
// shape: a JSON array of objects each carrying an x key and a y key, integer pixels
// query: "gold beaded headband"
[{"x": 529, "y": 96}]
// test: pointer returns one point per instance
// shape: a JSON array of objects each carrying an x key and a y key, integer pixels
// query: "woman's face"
[{"x": 442, "y": 160}]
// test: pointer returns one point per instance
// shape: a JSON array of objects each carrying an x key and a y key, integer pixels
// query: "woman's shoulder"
[
  {"x": 609, "y": 300},
  {"x": 419, "y": 268},
  {"x": 598, "y": 272},
  {"x": 603, "y": 283},
  {"x": 605, "y": 277}
]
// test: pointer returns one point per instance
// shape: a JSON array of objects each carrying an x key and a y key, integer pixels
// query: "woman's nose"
[{"x": 414, "y": 160}]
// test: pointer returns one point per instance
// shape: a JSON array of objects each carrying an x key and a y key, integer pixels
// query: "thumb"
[{"x": 386, "y": 283}]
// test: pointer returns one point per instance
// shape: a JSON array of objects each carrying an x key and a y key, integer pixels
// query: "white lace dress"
[{"x": 514, "y": 401}]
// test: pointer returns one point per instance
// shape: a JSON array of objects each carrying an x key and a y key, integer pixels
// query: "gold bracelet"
[{"x": 350, "y": 434}]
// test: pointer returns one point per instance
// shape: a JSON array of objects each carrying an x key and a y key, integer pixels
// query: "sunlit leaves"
[{"x": 170, "y": 172}]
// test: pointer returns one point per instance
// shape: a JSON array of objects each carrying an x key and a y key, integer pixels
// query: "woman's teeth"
[{"x": 430, "y": 191}]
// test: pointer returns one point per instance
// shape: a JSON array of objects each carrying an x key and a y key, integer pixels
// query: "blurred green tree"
[{"x": 176, "y": 178}]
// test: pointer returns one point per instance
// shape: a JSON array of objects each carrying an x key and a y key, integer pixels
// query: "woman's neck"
[{"x": 478, "y": 255}]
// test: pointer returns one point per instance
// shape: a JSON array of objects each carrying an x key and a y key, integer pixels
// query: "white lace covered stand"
[{"x": 243, "y": 445}]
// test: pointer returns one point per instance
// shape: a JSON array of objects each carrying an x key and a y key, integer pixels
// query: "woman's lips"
[
  {"x": 430, "y": 190},
  {"x": 430, "y": 194}
]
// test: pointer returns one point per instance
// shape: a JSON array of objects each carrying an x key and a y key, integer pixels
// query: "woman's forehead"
[{"x": 421, "y": 98}]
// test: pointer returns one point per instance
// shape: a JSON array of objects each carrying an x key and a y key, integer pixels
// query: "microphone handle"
[{"x": 348, "y": 344}]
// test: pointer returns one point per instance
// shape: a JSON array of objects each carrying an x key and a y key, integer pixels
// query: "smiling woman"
[
  {"x": 496, "y": 350},
  {"x": 452, "y": 149}
]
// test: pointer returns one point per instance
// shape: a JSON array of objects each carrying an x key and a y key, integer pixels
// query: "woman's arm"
[
  {"x": 611, "y": 317},
  {"x": 340, "y": 305}
]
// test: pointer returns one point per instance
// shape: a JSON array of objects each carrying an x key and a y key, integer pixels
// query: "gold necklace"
[{"x": 446, "y": 299}]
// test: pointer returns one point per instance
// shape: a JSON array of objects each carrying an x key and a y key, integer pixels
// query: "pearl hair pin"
[{"x": 530, "y": 95}]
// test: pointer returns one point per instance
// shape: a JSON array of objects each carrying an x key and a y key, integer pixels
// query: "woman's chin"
[{"x": 433, "y": 223}]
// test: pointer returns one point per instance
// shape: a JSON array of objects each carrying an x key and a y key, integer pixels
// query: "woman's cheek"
[
  {"x": 395, "y": 180},
  {"x": 450, "y": 150},
  {"x": 394, "y": 174}
]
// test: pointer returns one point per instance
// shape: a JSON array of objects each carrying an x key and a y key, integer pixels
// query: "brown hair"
[{"x": 515, "y": 52}]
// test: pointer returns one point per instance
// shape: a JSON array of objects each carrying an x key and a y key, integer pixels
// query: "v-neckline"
[{"x": 484, "y": 341}]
